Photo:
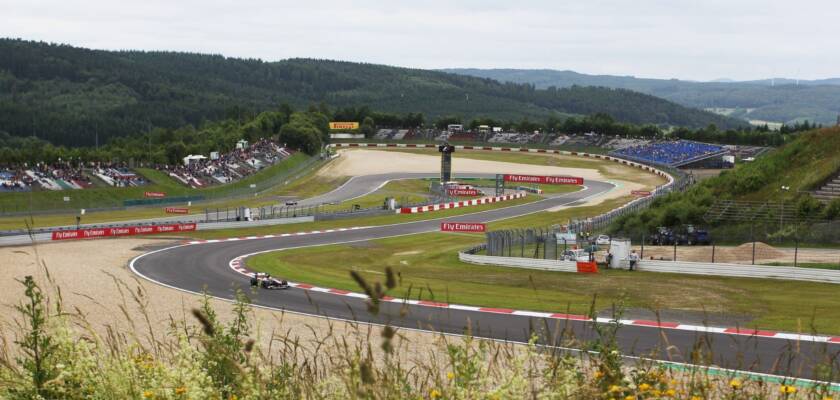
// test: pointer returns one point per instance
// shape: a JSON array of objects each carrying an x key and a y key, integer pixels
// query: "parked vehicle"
[
  {"x": 663, "y": 237},
  {"x": 696, "y": 236},
  {"x": 602, "y": 240},
  {"x": 576, "y": 255}
]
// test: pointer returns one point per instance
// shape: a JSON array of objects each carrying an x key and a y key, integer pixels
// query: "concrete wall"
[{"x": 671, "y": 267}]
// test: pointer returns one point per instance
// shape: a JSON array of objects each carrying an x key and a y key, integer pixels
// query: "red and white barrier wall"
[
  {"x": 89, "y": 233},
  {"x": 459, "y": 204}
]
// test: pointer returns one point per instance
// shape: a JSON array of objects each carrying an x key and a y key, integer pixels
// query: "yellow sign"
[{"x": 344, "y": 125}]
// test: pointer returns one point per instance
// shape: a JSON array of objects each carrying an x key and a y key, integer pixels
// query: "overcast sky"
[{"x": 700, "y": 40}]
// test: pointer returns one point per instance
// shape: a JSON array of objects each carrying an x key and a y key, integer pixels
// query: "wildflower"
[
  {"x": 644, "y": 387},
  {"x": 673, "y": 382},
  {"x": 670, "y": 392},
  {"x": 233, "y": 397},
  {"x": 148, "y": 394},
  {"x": 735, "y": 383},
  {"x": 450, "y": 375},
  {"x": 598, "y": 374},
  {"x": 696, "y": 398},
  {"x": 434, "y": 394},
  {"x": 614, "y": 388},
  {"x": 657, "y": 393},
  {"x": 180, "y": 390},
  {"x": 787, "y": 389},
  {"x": 630, "y": 398}
]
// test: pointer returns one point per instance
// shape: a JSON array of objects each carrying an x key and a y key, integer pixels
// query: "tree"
[{"x": 368, "y": 127}]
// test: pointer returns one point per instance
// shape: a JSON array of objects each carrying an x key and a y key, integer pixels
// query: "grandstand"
[
  {"x": 199, "y": 171},
  {"x": 677, "y": 153}
]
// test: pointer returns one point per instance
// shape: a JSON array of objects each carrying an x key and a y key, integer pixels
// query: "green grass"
[{"x": 428, "y": 267}]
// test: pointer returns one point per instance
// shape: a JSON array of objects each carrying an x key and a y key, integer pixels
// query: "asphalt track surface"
[{"x": 199, "y": 267}]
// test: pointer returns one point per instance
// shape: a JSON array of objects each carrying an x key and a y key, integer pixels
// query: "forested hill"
[
  {"x": 71, "y": 95},
  {"x": 778, "y": 100}
]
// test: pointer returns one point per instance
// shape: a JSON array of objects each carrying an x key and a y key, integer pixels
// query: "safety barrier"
[
  {"x": 459, "y": 204},
  {"x": 519, "y": 262},
  {"x": 741, "y": 271},
  {"x": 670, "y": 267}
]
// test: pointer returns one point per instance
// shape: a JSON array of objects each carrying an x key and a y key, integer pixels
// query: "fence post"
[
  {"x": 642, "y": 255},
  {"x": 713, "y": 253},
  {"x": 796, "y": 250},
  {"x": 752, "y": 237},
  {"x": 675, "y": 249}
]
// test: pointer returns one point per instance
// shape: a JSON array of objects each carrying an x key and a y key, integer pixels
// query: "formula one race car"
[{"x": 265, "y": 281}]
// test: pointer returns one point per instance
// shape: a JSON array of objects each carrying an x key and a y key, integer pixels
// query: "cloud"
[{"x": 743, "y": 39}]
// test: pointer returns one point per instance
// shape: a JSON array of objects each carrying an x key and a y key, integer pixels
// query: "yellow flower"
[
  {"x": 598, "y": 374},
  {"x": 434, "y": 394},
  {"x": 696, "y": 398},
  {"x": 233, "y": 397},
  {"x": 735, "y": 383},
  {"x": 657, "y": 393},
  {"x": 450, "y": 375},
  {"x": 673, "y": 382},
  {"x": 180, "y": 390},
  {"x": 787, "y": 389},
  {"x": 630, "y": 398},
  {"x": 614, "y": 388},
  {"x": 828, "y": 398},
  {"x": 148, "y": 394},
  {"x": 671, "y": 392},
  {"x": 644, "y": 387}
]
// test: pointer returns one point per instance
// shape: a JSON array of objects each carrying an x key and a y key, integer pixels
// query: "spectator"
[{"x": 634, "y": 258}]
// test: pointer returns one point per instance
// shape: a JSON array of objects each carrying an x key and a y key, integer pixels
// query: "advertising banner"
[
  {"x": 154, "y": 194},
  {"x": 550, "y": 180},
  {"x": 463, "y": 192},
  {"x": 640, "y": 193},
  {"x": 344, "y": 125},
  {"x": 121, "y": 231},
  {"x": 176, "y": 210},
  {"x": 472, "y": 227}
]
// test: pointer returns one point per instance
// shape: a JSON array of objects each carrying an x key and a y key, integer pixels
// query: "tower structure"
[{"x": 446, "y": 151}]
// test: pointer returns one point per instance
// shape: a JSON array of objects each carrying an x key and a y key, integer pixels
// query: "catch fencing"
[{"x": 814, "y": 246}]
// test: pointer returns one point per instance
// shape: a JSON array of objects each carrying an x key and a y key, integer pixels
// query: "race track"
[{"x": 198, "y": 267}]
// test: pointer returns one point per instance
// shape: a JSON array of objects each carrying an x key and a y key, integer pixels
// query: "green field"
[{"x": 428, "y": 268}]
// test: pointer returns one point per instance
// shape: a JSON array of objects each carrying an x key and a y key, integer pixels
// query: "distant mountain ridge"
[
  {"x": 72, "y": 95},
  {"x": 780, "y": 100}
]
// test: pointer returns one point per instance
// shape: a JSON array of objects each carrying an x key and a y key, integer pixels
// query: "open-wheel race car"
[{"x": 265, "y": 281}]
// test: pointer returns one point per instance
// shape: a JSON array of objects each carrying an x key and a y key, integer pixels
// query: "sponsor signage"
[
  {"x": 344, "y": 125},
  {"x": 640, "y": 193},
  {"x": 154, "y": 194},
  {"x": 462, "y": 227},
  {"x": 550, "y": 180},
  {"x": 463, "y": 192},
  {"x": 121, "y": 231},
  {"x": 177, "y": 210}
]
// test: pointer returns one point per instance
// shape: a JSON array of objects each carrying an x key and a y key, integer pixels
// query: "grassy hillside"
[
  {"x": 780, "y": 101},
  {"x": 70, "y": 95},
  {"x": 802, "y": 165}
]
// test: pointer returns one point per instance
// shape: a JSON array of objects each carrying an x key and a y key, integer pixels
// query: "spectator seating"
[{"x": 670, "y": 153}]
